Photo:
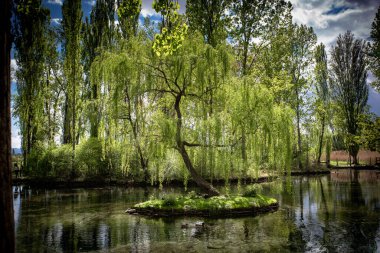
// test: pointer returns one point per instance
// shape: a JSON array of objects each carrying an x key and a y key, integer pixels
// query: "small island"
[{"x": 216, "y": 207}]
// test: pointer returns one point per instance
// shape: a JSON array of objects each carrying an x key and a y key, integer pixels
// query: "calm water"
[{"x": 333, "y": 213}]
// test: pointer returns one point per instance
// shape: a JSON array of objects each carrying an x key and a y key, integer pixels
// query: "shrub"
[
  {"x": 113, "y": 161},
  {"x": 61, "y": 161},
  {"x": 169, "y": 200},
  {"x": 38, "y": 163},
  {"x": 50, "y": 162},
  {"x": 253, "y": 190},
  {"x": 89, "y": 158}
]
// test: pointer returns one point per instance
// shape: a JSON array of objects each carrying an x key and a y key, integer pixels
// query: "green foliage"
[
  {"x": 348, "y": 82},
  {"x": 173, "y": 30},
  {"x": 302, "y": 46},
  {"x": 90, "y": 163},
  {"x": 31, "y": 26},
  {"x": 251, "y": 20},
  {"x": 208, "y": 18},
  {"x": 181, "y": 105},
  {"x": 71, "y": 26},
  {"x": 253, "y": 190},
  {"x": 169, "y": 201},
  {"x": 61, "y": 161},
  {"x": 129, "y": 8},
  {"x": 89, "y": 158},
  {"x": 128, "y": 12},
  {"x": 51, "y": 162},
  {"x": 213, "y": 205},
  {"x": 369, "y": 137},
  {"x": 375, "y": 50},
  {"x": 99, "y": 33},
  {"x": 322, "y": 102}
]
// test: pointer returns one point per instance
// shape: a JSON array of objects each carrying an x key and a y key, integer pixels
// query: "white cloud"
[
  {"x": 374, "y": 100},
  {"x": 14, "y": 68},
  {"x": 90, "y": 2},
  {"x": 16, "y": 141},
  {"x": 350, "y": 15},
  {"x": 147, "y": 10},
  {"x": 56, "y": 21},
  {"x": 59, "y": 2},
  {"x": 353, "y": 15},
  {"x": 15, "y": 137}
]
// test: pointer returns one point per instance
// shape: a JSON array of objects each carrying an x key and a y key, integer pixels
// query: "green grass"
[
  {"x": 218, "y": 203},
  {"x": 345, "y": 163}
]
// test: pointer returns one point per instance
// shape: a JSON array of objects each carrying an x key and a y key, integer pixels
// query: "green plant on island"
[
  {"x": 253, "y": 190},
  {"x": 197, "y": 204}
]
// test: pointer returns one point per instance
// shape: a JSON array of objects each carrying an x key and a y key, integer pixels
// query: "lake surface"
[{"x": 330, "y": 213}]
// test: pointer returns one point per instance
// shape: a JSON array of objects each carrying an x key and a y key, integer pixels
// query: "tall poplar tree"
[
  {"x": 322, "y": 92},
  {"x": 98, "y": 35},
  {"x": 30, "y": 30},
  {"x": 128, "y": 12},
  {"x": 375, "y": 49},
  {"x": 206, "y": 16},
  {"x": 303, "y": 40},
  {"x": 71, "y": 26},
  {"x": 53, "y": 86},
  {"x": 253, "y": 20},
  {"x": 349, "y": 85}
]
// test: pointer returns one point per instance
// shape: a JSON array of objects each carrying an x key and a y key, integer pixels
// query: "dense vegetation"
[
  {"x": 217, "y": 206},
  {"x": 243, "y": 92}
]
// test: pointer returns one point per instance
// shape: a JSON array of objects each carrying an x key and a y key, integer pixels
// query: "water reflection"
[{"x": 337, "y": 213}]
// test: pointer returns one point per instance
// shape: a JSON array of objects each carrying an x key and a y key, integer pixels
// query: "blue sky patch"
[{"x": 336, "y": 10}]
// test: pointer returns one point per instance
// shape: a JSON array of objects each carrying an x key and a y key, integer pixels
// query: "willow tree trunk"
[
  {"x": 201, "y": 182},
  {"x": 7, "y": 239},
  {"x": 133, "y": 124}
]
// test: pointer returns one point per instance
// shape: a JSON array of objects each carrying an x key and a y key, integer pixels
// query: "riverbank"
[
  {"x": 99, "y": 182},
  {"x": 90, "y": 183}
]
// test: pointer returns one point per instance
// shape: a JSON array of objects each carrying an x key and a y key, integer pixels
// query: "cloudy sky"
[{"x": 329, "y": 18}]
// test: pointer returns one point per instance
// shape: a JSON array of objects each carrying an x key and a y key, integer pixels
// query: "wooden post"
[{"x": 7, "y": 238}]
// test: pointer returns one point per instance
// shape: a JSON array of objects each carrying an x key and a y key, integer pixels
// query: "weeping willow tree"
[
  {"x": 268, "y": 125},
  {"x": 213, "y": 145},
  {"x": 156, "y": 103},
  {"x": 124, "y": 102}
]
